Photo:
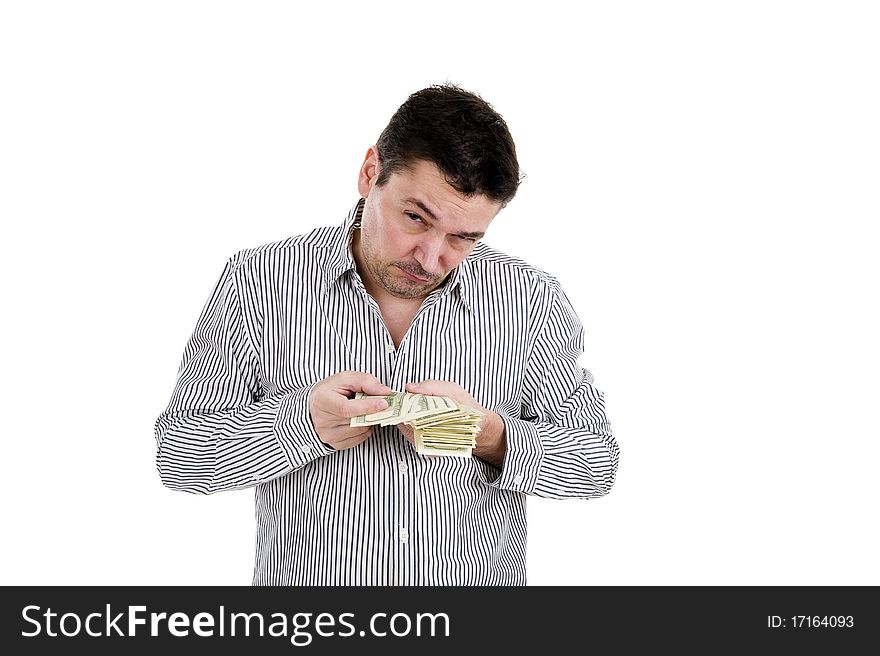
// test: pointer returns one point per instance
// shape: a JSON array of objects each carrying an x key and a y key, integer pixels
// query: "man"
[{"x": 401, "y": 296}]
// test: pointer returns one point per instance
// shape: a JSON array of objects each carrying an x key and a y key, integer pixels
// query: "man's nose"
[{"x": 430, "y": 253}]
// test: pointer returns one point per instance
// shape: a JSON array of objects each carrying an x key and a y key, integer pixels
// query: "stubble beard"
[{"x": 389, "y": 276}]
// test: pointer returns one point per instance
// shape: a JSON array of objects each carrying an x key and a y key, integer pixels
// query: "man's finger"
[
  {"x": 358, "y": 381},
  {"x": 407, "y": 434},
  {"x": 349, "y": 408},
  {"x": 375, "y": 387}
]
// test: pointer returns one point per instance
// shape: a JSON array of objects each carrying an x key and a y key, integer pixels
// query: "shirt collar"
[
  {"x": 460, "y": 281},
  {"x": 339, "y": 260}
]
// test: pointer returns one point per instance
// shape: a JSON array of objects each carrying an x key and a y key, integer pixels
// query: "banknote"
[
  {"x": 391, "y": 414},
  {"x": 441, "y": 426}
]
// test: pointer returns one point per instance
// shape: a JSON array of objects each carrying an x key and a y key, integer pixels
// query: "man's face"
[{"x": 415, "y": 229}]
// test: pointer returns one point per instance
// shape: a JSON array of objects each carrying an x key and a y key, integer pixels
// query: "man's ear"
[{"x": 369, "y": 171}]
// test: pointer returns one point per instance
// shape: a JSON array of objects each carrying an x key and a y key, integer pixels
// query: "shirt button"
[
  {"x": 305, "y": 448},
  {"x": 517, "y": 479},
  {"x": 404, "y": 535},
  {"x": 389, "y": 348},
  {"x": 402, "y": 466}
]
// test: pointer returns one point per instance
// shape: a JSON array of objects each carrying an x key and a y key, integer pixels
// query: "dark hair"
[{"x": 460, "y": 133}]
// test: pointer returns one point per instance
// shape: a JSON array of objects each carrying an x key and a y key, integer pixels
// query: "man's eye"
[{"x": 414, "y": 217}]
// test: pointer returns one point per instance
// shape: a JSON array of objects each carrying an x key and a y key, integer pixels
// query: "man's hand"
[
  {"x": 332, "y": 406},
  {"x": 491, "y": 444}
]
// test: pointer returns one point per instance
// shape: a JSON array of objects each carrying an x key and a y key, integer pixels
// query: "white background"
[{"x": 701, "y": 176}]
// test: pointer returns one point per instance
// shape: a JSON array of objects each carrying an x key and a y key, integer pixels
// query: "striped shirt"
[{"x": 288, "y": 314}]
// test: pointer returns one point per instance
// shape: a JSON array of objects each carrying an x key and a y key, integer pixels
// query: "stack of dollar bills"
[{"x": 441, "y": 426}]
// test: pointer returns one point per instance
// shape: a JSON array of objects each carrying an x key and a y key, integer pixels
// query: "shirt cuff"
[
  {"x": 295, "y": 432},
  {"x": 523, "y": 456}
]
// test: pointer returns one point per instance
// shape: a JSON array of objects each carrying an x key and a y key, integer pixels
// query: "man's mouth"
[{"x": 413, "y": 276}]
